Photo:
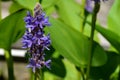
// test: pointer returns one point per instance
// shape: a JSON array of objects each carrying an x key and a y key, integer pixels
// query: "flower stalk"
[
  {"x": 41, "y": 75},
  {"x": 94, "y": 17},
  {"x": 9, "y": 61},
  {"x": 40, "y": 1},
  {"x": 82, "y": 14},
  {"x": 88, "y": 9}
]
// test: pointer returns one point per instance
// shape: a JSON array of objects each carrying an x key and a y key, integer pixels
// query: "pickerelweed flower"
[
  {"x": 34, "y": 39},
  {"x": 88, "y": 6}
]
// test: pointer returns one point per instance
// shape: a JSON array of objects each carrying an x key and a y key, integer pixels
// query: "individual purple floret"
[
  {"x": 88, "y": 6},
  {"x": 33, "y": 64},
  {"x": 34, "y": 39}
]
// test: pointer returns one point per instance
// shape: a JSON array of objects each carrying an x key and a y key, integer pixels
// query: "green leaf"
[
  {"x": 14, "y": 7},
  {"x": 58, "y": 68},
  {"x": 73, "y": 45},
  {"x": 48, "y": 3},
  {"x": 49, "y": 53},
  {"x": 114, "y": 18},
  {"x": 106, "y": 70},
  {"x": 69, "y": 11},
  {"x": 112, "y": 37},
  {"x": 11, "y": 28},
  {"x": 72, "y": 73},
  {"x": 29, "y": 4}
]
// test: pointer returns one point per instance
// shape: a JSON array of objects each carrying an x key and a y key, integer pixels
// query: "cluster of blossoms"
[{"x": 34, "y": 39}]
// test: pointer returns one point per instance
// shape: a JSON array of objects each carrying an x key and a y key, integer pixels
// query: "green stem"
[
  {"x": 35, "y": 76},
  {"x": 82, "y": 13},
  {"x": 82, "y": 73},
  {"x": 9, "y": 61},
  {"x": 119, "y": 73},
  {"x": 94, "y": 17},
  {"x": 41, "y": 75},
  {"x": 31, "y": 75},
  {"x": 40, "y": 1},
  {"x": 84, "y": 21}
]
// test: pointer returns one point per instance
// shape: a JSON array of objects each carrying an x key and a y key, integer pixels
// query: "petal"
[
  {"x": 29, "y": 66},
  {"x": 46, "y": 22},
  {"x": 47, "y": 63},
  {"x": 34, "y": 69},
  {"x": 38, "y": 66}
]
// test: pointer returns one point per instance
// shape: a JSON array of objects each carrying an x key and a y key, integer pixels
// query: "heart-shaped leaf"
[
  {"x": 114, "y": 18},
  {"x": 12, "y": 28},
  {"x": 14, "y": 7},
  {"x": 29, "y": 4},
  {"x": 58, "y": 68},
  {"x": 48, "y": 3},
  {"x": 68, "y": 11},
  {"x": 106, "y": 70},
  {"x": 112, "y": 37},
  {"x": 73, "y": 45}
]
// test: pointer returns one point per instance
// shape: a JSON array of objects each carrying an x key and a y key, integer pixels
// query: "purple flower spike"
[{"x": 35, "y": 40}]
